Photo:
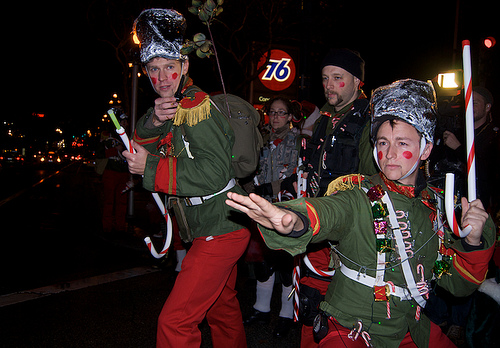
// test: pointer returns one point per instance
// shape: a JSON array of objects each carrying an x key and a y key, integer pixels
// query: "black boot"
[
  {"x": 257, "y": 317},
  {"x": 283, "y": 327}
]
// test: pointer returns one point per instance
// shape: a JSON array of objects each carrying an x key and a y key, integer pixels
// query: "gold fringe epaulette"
[
  {"x": 192, "y": 110},
  {"x": 343, "y": 183}
]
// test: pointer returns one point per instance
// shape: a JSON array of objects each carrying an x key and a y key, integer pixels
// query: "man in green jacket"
[
  {"x": 392, "y": 240},
  {"x": 183, "y": 149}
]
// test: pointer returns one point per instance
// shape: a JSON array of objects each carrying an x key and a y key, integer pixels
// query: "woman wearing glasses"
[
  {"x": 279, "y": 155},
  {"x": 274, "y": 181}
]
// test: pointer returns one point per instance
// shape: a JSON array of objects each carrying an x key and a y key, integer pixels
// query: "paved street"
[{"x": 65, "y": 284}]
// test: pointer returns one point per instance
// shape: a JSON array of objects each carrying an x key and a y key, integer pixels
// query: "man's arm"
[{"x": 266, "y": 214}]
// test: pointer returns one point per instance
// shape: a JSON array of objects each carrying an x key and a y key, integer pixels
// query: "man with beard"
[{"x": 340, "y": 145}]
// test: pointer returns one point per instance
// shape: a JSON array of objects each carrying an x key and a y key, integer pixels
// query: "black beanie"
[
  {"x": 346, "y": 59},
  {"x": 485, "y": 93}
]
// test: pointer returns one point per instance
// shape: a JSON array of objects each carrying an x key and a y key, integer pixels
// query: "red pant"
[
  {"x": 337, "y": 337},
  {"x": 307, "y": 337},
  {"x": 206, "y": 287}
]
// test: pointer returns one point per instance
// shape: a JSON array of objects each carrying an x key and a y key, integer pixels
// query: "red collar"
[{"x": 408, "y": 191}]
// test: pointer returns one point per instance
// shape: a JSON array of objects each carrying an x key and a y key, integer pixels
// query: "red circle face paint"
[
  {"x": 154, "y": 80},
  {"x": 342, "y": 84},
  {"x": 175, "y": 76},
  {"x": 380, "y": 155},
  {"x": 407, "y": 154}
]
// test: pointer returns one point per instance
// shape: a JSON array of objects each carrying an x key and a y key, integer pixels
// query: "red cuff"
[
  {"x": 473, "y": 266},
  {"x": 312, "y": 214},
  {"x": 165, "y": 180},
  {"x": 144, "y": 141}
]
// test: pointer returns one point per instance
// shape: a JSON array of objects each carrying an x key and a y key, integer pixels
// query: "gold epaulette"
[
  {"x": 193, "y": 109},
  {"x": 343, "y": 183}
]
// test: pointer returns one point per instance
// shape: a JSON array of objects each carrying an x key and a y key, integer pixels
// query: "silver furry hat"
[
  {"x": 161, "y": 33},
  {"x": 410, "y": 100}
]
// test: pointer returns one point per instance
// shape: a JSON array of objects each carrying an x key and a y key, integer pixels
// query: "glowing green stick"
[{"x": 111, "y": 114}]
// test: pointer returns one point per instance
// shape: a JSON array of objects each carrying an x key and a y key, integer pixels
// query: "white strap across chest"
[
  {"x": 363, "y": 278},
  {"x": 405, "y": 261}
]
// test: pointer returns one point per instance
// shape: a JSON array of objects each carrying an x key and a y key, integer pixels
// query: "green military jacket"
[
  {"x": 347, "y": 217},
  {"x": 190, "y": 156}
]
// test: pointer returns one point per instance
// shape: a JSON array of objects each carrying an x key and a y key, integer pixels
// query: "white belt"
[
  {"x": 369, "y": 281},
  {"x": 199, "y": 200}
]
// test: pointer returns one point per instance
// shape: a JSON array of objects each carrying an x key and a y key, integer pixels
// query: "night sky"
[{"x": 64, "y": 69}]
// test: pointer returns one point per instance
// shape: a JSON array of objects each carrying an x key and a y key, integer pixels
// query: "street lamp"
[
  {"x": 447, "y": 80},
  {"x": 448, "y": 83}
]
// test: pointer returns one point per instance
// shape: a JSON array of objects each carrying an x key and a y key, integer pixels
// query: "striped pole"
[
  {"x": 296, "y": 288},
  {"x": 469, "y": 123},
  {"x": 471, "y": 155}
]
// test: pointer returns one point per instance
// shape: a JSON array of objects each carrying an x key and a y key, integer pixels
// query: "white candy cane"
[
  {"x": 168, "y": 239},
  {"x": 471, "y": 156}
]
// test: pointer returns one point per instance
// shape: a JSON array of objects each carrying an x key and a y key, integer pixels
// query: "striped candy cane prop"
[
  {"x": 168, "y": 239},
  {"x": 471, "y": 155},
  {"x": 296, "y": 288},
  {"x": 301, "y": 180}
]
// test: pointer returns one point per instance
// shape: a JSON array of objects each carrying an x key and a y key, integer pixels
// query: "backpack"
[{"x": 244, "y": 120}]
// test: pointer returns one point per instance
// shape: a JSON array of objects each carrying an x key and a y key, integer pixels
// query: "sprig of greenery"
[
  {"x": 200, "y": 44},
  {"x": 206, "y": 12}
]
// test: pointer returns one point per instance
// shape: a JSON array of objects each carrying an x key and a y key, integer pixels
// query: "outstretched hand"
[
  {"x": 265, "y": 213},
  {"x": 473, "y": 214}
]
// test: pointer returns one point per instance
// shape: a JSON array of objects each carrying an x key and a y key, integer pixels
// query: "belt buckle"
[{"x": 381, "y": 293}]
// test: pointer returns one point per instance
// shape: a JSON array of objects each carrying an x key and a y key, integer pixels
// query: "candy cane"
[
  {"x": 471, "y": 156},
  {"x": 418, "y": 313},
  {"x": 469, "y": 124},
  {"x": 422, "y": 286},
  {"x": 317, "y": 271},
  {"x": 301, "y": 181},
  {"x": 296, "y": 288},
  {"x": 366, "y": 337},
  {"x": 354, "y": 334},
  {"x": 168, "y": 239},
  {"x": 393, "y": 289}
]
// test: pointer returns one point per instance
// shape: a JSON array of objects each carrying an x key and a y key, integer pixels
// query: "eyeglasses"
[{"x": 280, "y": 113}]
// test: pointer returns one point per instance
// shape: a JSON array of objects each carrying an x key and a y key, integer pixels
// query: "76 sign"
[{"x": 279, "y": 72}]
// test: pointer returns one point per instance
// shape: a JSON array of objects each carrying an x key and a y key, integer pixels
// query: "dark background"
[{"x": 67, "y": 59}]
